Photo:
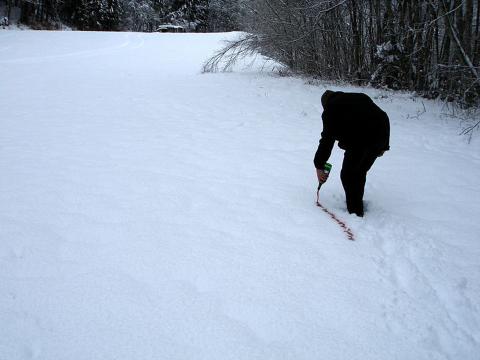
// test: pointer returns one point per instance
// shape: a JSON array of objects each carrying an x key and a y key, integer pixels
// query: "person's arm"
[
  {"x": 324, "y": 150},
  {"x": 386, "y": 133},
  {"x": 387, "y": 129}
]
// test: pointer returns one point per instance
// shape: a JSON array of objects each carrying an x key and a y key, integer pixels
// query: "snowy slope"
[{"x": 148, "y": 211}]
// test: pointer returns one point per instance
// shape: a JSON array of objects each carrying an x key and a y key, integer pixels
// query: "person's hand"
[{"x": 322, "y": 176}]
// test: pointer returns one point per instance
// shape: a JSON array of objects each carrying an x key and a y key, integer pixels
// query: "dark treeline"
[
  {"x": 123, "y": 15},
  {"x": 428, "y": 46}
]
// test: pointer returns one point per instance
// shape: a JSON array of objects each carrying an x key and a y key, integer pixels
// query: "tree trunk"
[
  {"x": 464, "y": 56},
  {"x": 476, "y": 37},
  {"x": 356, "y": 37},
  {"x": 467, "y": 30}
]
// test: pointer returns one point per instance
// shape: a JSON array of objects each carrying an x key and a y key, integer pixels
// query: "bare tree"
[{"x": 427, "y": 46}]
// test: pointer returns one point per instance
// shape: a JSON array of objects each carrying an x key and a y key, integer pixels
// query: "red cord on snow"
[{"x": 344, "y": 227}]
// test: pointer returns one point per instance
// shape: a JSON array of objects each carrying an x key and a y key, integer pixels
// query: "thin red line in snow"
[{"x": 344, "y": 226}]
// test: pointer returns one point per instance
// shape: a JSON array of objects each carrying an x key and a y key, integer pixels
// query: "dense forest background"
[
  {"x": 123, "y": 15},
  {"x": 431, "y": 47}
]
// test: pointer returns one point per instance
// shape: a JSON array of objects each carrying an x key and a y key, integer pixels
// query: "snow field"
[{"x": 148, "y": 211}]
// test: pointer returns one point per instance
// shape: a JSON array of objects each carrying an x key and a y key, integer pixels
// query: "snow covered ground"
[{"x": 148, "y": 211}]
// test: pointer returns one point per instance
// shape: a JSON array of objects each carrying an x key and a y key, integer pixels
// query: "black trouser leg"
[{"x": 356, "y": 163}]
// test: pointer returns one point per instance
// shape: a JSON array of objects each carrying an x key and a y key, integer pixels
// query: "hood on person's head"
[{"x": 326, "y": 96}]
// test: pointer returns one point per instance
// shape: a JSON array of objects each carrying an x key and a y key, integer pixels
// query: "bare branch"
[{"x": 235, "y": 50}]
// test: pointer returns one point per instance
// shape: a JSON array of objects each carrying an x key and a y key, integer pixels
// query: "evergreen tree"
[
  {"x": 139, "y": 15},
  {"x": 191, "y": 14},
  {"x": 97, "y": 15},
  {"x": 224, "y": 15}
]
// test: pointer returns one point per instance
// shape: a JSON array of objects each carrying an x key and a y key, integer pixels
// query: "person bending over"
[{"x": 362, "y": 129}]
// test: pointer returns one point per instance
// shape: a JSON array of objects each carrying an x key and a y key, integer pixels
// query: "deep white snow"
[{"x": 148, "y": 211}]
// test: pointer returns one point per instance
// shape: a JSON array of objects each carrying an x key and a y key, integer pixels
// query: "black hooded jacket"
[{"x": 356, "y": 122}]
